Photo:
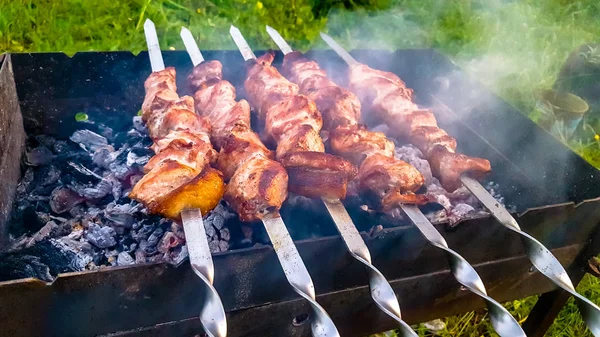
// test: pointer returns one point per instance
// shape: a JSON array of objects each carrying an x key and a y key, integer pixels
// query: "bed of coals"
[{"x": 72, "y": 213}]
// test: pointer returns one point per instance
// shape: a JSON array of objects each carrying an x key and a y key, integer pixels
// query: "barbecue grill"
[{"x": 45, "y": 91}]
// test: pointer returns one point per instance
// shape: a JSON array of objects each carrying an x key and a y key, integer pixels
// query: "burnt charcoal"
[
  {"x": 34, "y": 198},
  {"x": 168, "y": 241},
  {"x": 111, "y": 256},
  {"x": 136, "y": 225},
  {"x": 47, "y": 175},
  {"x": 218, "y": 221},
  {"x": 43, "y": 260},
  {"x": 121, "y": 170},
  {"x": 62, "y": 147},
  {"x": 139, "y": 124},
  {"x": 177, "y": 229},
  {"x": 122, "y": 215},
  {"x": 210, "y": 229},
  {"x": 224, "y": 234},
  {"x": 178, "y": 255},
  {"x": 46, "y": 141},
  {"x": 82, "y": 173},
  {"x": 138, "y": 156},
  {"x": 42, "y": 206},
  {"x": 106, "y": 132},
  {"x": 140, "y": 256},
  {"x": 214, "y": 246},
  {"x": 104, "y": 156},
  {"x": 43, "y": 233},
  {"x": 155, "y": 237},
  {"x": 108, "y": 185},
  {"x": 39, "y": 156},
  {"x": 125, "y": 243},
  {"x": 77, "y": 211},
  {"x": 19, "y": 266},
  {"x": 124, "y": 259},
  {"x": 64, "y": 199},
  {"x": 101, "y": 237},
  {"x": 88, "y": 140},
  {"x": 143, "y": 233},
  {"x": 223, "y": 245},
  {"x": 25, "y": 186},
  {"x": 147, "y": 248}
]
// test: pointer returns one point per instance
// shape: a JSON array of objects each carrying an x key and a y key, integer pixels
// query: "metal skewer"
[
  {"x": 542, "y": 259},
  {"x": 502, "y": 321},
  {"x": 381, "y": 291},
  {"x": 291, "y": 262},
  {"x": 212, "y": 314}
]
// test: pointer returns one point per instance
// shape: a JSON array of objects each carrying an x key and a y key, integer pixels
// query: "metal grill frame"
[{"x": 160, "y": 300}]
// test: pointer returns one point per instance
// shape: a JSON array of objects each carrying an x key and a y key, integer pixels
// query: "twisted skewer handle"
[
  {"x": 381, "y": 291},
  {"x": 297, "y": 274},
  {"x": 212, "y": 315},
  {"x": 541, "y": 258},
  {"x": 502, "y": 321}
]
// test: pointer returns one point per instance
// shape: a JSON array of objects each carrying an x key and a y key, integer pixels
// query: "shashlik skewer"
[
  {"x": 502, "y": 321},
  {"x": 389, "y": 101},
  {"x": 313, "y": 81},
  {"x": 381, "y": 291},
  {"x": 178, "y": 182},
  {"x": 538, "y": 254},
  {"x": 256, "y": 184},
  {"x": 292, "y": 122},
  {"x": 249, "y": 160}
]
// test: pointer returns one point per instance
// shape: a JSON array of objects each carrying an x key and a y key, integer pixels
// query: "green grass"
[{"x": 514, "y": 47}]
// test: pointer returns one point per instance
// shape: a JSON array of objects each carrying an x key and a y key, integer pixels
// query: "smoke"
[{"x": 514, "y": 48}]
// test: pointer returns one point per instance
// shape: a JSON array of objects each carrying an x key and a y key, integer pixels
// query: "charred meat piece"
[
  {"x": 387, "y": 96},
  {"x": 293, "y": 122},
  {"x": 318, "y": 174},
  {"x": 178, "y": 177},
  {"x": 380, "y": 176},
  {"x": 257, "y": 185}
]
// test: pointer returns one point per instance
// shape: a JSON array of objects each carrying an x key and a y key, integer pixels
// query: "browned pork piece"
[
  {"x": 257, "y": 184},
  {"x": 391, "y": 180},
  {"x": 293, "y": 122},
  {"x": 390, "y": 101},
  {"x": 178, "y": 177}
]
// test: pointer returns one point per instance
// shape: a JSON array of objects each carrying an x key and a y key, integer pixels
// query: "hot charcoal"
[{"x": 72, "y": 213}]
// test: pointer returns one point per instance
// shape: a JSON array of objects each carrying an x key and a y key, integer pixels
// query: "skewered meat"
[
  {"x": 380, "y": 175},
  {"x": 293, "y": 122},
  {"x": 390, "y": 101},
  {"x": 178, "y": 177},
  {"x": 257, "y": 184}
]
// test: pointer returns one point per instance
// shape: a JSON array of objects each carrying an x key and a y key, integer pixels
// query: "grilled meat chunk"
[
  {"x": 178, "y": 176},
  {"x": 390, "y": 101},
  {"x": 257, "y": 185},
  {"x": 293, "y": 122},
  {"x": 380, "y": 175}
]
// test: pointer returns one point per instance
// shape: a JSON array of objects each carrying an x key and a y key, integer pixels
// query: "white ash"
[
  {"x": 458, "y": 205},
  {"x": 75, "y": 193},
  {"x": 214, "y": 222},
  {"x": 125, "y": 259},
  {"x": 88, "y": 140}
]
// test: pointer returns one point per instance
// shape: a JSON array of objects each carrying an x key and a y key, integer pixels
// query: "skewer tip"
[
  {"x": 184, "y": 30},
  {"x": 270, "y": 29},
  {"x": 233, "y": 29},
  {"x": 148, "y": 23}
]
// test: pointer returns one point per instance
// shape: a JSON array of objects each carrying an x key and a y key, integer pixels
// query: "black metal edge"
[
  {"x": 92, "y": 300},
  {"x": 356, "y": 315}
]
